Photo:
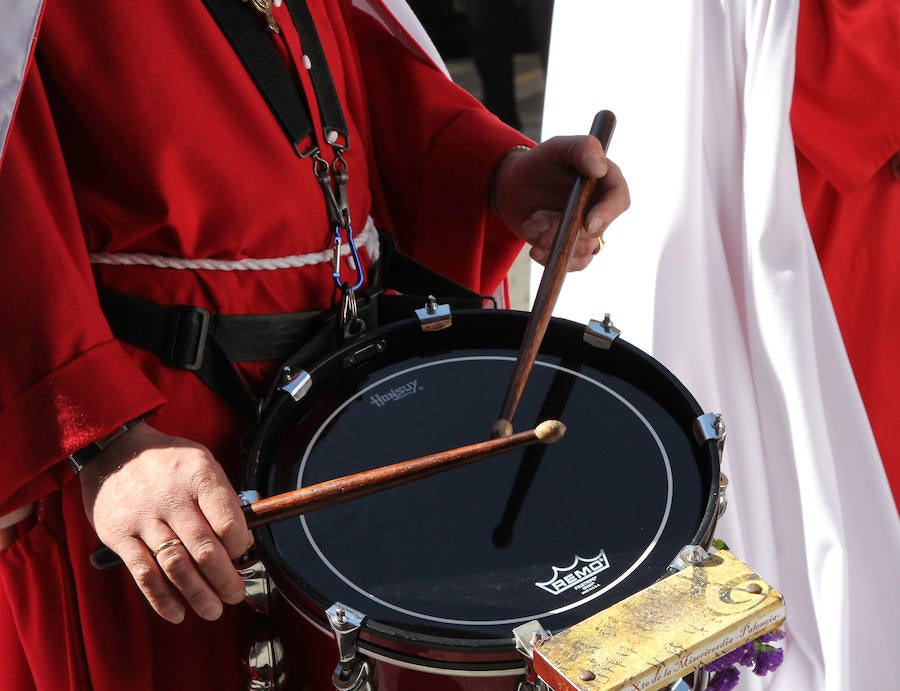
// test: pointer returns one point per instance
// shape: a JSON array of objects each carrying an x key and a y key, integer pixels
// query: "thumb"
[{"x": 589, "y": 158}]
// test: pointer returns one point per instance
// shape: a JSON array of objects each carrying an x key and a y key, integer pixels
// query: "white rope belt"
[{"x": 368, "y": 238}]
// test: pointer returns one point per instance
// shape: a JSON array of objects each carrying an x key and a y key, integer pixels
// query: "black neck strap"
[
  {"x": 248, "y": 27},
  {"x": 326, "y": 94},
  {"x": 252, "y": 41}
]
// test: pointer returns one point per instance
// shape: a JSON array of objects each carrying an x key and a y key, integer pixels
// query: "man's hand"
[
  {"x": 147, "y": 489},
  {"x": 531, "y": 189}
]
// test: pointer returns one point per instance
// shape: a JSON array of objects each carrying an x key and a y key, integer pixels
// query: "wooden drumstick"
[
  {"x": 333, "y": 492},
  {"x": 552, "y": 280},
  {"x": 339, "y": 490}
]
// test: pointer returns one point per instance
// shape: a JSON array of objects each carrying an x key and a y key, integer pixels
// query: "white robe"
[{"x": 713, "y": 272}]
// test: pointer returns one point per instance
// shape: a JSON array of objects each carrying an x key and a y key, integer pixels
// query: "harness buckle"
[{"x": 186, "y": 336}]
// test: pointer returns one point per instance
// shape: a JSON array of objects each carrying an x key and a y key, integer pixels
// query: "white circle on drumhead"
[{"x": 651, "y": 545}]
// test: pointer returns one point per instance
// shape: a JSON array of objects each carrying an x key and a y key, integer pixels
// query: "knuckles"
[{"x": 176, "y": 562}]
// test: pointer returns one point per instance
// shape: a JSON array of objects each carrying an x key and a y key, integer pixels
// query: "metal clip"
[
  {"x": 265, "y": 665},
  {"x": 298, "y": 385},
  {"x": 351, "y": 324},
  {"x": 601, "y": 334},
  {"x": 723, "y": 496},
  {"x": 257, "y": 583},
  {"x": 355, "y": 679},
  {"x": 346, "y": 623},
  {"x": 353, "y": 261},
  {"x": 709, "y": 426},
  {"x": 690, "y": 555},
  {"x": 434, "y": 317},
  {"x": 322, "y": 171},
  {"x": 352, "y": 673},
  {"x": 529, "y": 636},
  {"x": 340, "y": 177}
]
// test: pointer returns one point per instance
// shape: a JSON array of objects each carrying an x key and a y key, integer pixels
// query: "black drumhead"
[{"x": 554, "y": 533}]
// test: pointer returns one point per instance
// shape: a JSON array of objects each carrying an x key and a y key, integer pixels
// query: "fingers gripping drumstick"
[{"x": 552, "y": 280}]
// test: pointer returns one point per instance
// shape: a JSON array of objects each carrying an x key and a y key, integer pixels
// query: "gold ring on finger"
[
  {"x": 162, "y": 547},
  {"x": 600, "y": 244}
]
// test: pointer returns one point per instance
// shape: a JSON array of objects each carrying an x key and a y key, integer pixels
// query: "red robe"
[
  {"x": 138, "y": 130},
  {"x": 846, "y": 122}
]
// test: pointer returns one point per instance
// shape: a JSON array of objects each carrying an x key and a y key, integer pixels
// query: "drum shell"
[{"x": 415, "y": 657}]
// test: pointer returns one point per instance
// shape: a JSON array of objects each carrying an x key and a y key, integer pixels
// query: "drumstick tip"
[
  {"x": 549, "y": 431},
  {"x": 501, "y": 428}
]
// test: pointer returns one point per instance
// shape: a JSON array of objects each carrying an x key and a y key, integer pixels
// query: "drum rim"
[{"x": 374, "y": 632}]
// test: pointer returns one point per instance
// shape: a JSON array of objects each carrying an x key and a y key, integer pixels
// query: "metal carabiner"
[{"x": 336, "y": 260}]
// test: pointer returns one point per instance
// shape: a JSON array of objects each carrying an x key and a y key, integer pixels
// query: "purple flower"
[
  {"x": 757, "y": 654},
  {"x": 771, "y": 637},
  {"x": 748, "y": 659},
  {"x": 768, "y": 659},
  {"x": 724, "y": 680},
  {"x": 735, "y": 657}
]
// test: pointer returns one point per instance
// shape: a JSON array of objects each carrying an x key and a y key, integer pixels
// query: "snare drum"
[{"x": 443, "y": 569}]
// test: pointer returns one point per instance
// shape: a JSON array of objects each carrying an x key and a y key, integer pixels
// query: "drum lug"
[
  {"x": 298, "y": 384},
  {"x": 352, "y": 673},
  {"x": 356, "y": 678},
  {"x": 434, "y": 317},
  {"x": 537, "y": 685},
  {"x": 257, "y": 583},
  {"x": 690, "y": 555},
  {"x": 710, "y": 426},
  {"x": 528, "y": 636},
  {"x": 723, "y": 488},
  {"x": 601, "y": 334},
  {"x": 265, "y": 665}
]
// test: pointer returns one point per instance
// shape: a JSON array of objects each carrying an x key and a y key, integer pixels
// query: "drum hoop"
[
  {"x": 441, "y": 667},
  {"x": 511, "y": 667}
]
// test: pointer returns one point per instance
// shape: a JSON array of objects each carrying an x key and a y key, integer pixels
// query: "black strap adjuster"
[{"x": 186, "y": 336}]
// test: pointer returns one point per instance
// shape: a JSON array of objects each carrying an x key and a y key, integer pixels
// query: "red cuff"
[{"x": 80, "y": 402}]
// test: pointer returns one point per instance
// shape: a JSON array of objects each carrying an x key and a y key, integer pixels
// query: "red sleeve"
[
  {"x": 846, "y": 105},
  {"x": 64, "y": 380},
  {"x": 436, "y": 148}
]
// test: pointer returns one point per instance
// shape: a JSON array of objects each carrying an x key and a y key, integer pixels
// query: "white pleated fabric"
[
  {"x": 397, "y": 16},
  {"x": 18, "y": 20},
  {"x": 713, "y": 272}
]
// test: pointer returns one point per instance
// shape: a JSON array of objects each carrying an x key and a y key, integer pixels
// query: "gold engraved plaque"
[{"x": 664, "y": 632}]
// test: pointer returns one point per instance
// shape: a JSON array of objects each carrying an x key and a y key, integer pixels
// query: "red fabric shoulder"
[
  {"x": 436, "y": 150},
  {"x": 846, "y": 106}
]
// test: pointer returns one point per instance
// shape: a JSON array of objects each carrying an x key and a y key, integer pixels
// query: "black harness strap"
[
  {"x": 191, "y": 338},
  {"x": 323, "y": 84},
  {"x": 414, "y": 282},
  {"x": 179, "y": 334},
  {"x": 252, "y": 41},
  {"x": 253, "y": 44}
]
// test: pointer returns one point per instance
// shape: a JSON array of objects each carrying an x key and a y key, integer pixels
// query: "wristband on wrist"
[
  {"x": 492, "y": 190},
  {"x": 82, "y": 457}
]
